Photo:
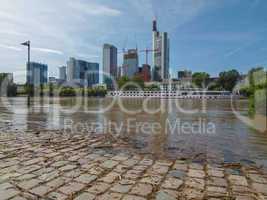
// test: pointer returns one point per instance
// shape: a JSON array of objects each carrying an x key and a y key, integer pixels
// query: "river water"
[{"x": 190, "y": 129}]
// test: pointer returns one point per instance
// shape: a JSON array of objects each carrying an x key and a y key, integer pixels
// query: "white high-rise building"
[{"x": 160, "y": 54}]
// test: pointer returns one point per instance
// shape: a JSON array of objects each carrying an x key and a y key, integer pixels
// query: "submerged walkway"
[{"x": 50, "y": 166}]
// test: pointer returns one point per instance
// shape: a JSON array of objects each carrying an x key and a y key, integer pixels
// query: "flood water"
[{"x": 190, "y": 129}]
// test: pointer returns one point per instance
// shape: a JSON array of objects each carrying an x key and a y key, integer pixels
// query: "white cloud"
[
  {"x": 10, "y": 47},
  {"x": 237, "y": 50},
  {"x": 45, "y": 50},
  {"x": 87, "y": 56},
  {"x": 12, "y": 32},
  {"x": 94, "y": 9}
]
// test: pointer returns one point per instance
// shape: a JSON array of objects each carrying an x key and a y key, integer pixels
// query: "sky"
[{"x": 205, "y": 35}]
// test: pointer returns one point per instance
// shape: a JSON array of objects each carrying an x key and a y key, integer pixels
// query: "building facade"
[
  {"x": 184, "y": 74},
  {"x": 130, "y": 63},
  {"x": 63, "y": 73},
  {"x": 36, "y": 74},
  {"x": 53, "y": 80},
  {"x": 82, "y": 73},
  {"x": 145, "y": 72},
  {"x": 160, "y": 54},
  {"x": 110, "y": 60},
  {"x": 185, "y": 78}
]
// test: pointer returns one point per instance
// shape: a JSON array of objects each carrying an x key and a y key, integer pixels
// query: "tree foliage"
[
  {"x": 134, "y": 83},
  {"x": 228, "y": 79},
  {"x": 200, "y": 79},
  {"x": 153, "y": 87}
]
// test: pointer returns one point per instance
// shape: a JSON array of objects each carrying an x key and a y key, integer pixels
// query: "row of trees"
[
  {"x": 125, "y": 83},
  {"x": 90, "y": 92},
  {"x": 226, "y": 81},
  {"x": 65, "y": 91}
]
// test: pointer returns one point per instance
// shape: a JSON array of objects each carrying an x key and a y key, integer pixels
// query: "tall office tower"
[
  {"x": 130, "y": 63},
  {"x": 36, "y": 73},
  {"x": 109, "y": 65},
  {"x": 82, "y": 73},
  {"x": 160, "y": 54},
  {"x": 110, "y": 60},
  {"x": 63, "y": 73}
]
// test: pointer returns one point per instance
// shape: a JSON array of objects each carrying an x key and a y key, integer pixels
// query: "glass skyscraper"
[
  {"x": 83, "y": 73},
  {"x": 130, "y": 63},
  {"x": 36, "y": 74}
]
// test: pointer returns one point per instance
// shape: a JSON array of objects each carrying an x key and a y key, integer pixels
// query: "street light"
[{"x": 28, "y": 44}]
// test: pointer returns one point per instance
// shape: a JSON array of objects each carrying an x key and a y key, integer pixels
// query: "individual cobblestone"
[
  {"x": 86, "y": 178},
  {"x": 72, "y": 188},
  {"x": 172, "y": 183},
  {"x": 98, "y": 188},
  {"x": 85, "y": 196},
  {"x": 142, "y": 189},
  {"x": 238, "y": 180},
  {"x": 123, "y": 186}
]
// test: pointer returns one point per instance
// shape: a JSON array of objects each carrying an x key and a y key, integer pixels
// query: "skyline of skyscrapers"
[{"x": 76, "y": 69}]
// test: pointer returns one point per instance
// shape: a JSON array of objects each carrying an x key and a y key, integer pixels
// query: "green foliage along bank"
[
  {"x": 88, "y": 92},
  {"x": 255, "y": 88}
]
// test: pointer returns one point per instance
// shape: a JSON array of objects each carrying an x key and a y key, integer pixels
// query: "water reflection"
[{"x": 232, "y": 141}]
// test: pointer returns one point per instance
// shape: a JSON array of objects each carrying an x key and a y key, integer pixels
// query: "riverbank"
[{"x": 51, "y": 166}]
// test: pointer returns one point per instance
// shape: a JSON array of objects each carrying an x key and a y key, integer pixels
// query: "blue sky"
[{"x": 206, "y": 35}]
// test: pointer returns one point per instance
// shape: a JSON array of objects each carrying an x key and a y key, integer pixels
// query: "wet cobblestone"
[{"x": 53, "y": 167}]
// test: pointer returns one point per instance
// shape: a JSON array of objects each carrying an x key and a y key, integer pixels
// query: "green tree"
[
  {"x": 257, "y": 90},
  {"x": 153, "y": 87},
  {"x": 122, "y": 81},
  {"x": 136, "y": 80},
  {"x": 256, "y": 75},
  {"x": 200, "y": 79},
  {"x": 139, "y": 81},
  {"x": 67, "y": 92},
  {"x": 228, "y": 79}
]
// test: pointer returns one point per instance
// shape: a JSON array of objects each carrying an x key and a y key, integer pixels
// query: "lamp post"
[{"x": 28, "y": 44}]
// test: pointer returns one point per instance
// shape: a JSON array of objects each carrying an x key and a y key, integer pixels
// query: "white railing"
[{"x": 172, "y": 94}]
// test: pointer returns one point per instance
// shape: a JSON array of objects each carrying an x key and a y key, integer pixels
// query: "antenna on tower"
[
  {"x": 124, "y": 45},
  {"x": 136, "y": 42},
  {"x": 155, "y": 23}
]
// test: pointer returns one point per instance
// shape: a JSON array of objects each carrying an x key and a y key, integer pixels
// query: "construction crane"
[{"x": 147, "y": 51}]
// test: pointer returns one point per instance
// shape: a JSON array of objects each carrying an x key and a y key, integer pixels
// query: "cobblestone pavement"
[{"x": 55, "y": 167}]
